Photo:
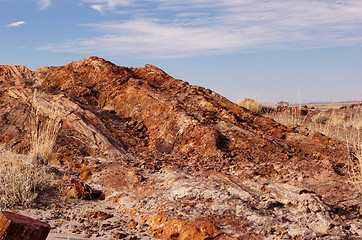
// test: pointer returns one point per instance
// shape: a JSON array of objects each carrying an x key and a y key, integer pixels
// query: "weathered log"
[{"x": 15, "y": 227}]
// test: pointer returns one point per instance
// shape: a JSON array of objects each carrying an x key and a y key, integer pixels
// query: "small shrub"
[
  {"x": 251, "y": 105},
  {"x": 320, "y": 118},
  {"x": 20, "y": 182}
]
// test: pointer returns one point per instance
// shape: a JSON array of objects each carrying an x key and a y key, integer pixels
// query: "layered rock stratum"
[{"x": 181, "y": 160}]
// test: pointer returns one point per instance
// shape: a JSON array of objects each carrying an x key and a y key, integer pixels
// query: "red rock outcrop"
[
  {"x": 110, "y": 109},
  {"x": 123, "y": 128}
]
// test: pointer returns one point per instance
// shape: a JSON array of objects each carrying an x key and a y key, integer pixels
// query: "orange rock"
[
  {"x": 85, "y": 174},
  {"x": 133, "y": 224},
  {"x": 163, "y": 228},
  {"x": 72, "y": 188}
]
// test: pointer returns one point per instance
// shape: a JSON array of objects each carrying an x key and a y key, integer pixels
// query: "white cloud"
[
  {"x": 178, "y": 28},
  {"x": 43, "y": 4},
  {"x": 109, "y": 5},
  {"x": 149, "y": 38},
  {"x": 16, "y": 24},
  {"x": 98, "y": 8}
]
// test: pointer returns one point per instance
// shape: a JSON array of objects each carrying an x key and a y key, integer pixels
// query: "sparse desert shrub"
[
  {"x": 337, "y": 125},
  {"x": 340, "y": 119},
  {"x": 287, "y": 118},
  {"x": 44, "y": 133},
  {"x": 20, "y": 182},
  {"x": 353, "y": 120},
  {"x": 251, "y": 105},
  {"x": 320, "y": 118}
]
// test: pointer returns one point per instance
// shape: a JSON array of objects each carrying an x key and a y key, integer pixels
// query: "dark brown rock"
[
  {"x": 97, "y": 215},
  {"x": 14, "y": 227},
  {"x": 72, "y": 188}
]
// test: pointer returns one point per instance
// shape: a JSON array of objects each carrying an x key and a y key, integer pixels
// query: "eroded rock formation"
[{"x": 181, "y": 153}]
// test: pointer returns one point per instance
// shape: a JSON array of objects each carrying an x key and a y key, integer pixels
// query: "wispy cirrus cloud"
[
  {"x": 98, "y": 8},
  {"x": 147, "y": 38},
  {"x": 179, "y": 28},
  {"x": 107, "y": 5},
  {"x": 43, "y": 4},
  {"x": 16, "y": 24}
]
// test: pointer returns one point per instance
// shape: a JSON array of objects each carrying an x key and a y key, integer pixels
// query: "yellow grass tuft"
[
  {"x": 251, "y": 105},
  {"x": 44, "y": 133}
]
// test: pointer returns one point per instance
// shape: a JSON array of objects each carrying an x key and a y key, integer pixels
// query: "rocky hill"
[{"x": 182, "y": 161}]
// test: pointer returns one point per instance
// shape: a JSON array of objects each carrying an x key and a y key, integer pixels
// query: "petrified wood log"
[{"x": 15, "y": 227}]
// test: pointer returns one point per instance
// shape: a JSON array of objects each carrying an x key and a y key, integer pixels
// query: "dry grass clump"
[
  {"x": 251, "y": 105},
  {"x": 355, "y": 161},
  {"x": 337, "y": 125},
  {"x": 44, "y": 133},
  {"x": 288, "y": 118},
  {"x": 321, "y": 118},
  {"x": 340, "y": 119},
  {"x": 21, "y": 182}
]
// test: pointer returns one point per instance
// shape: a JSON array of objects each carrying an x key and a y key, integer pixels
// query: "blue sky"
[{"x": 290, "y": 50}]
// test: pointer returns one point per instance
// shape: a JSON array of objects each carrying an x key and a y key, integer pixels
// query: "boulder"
[{"x": 15, "y": 226}]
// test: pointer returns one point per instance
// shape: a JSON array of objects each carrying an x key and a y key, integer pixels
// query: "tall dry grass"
[
  {"x": 355, "y": 161},
  {"x": 21, "y": 181},
  {"x": 337, "y": 125},
  {"x": 44, "y": 133},
  {"x": 334, "y": 124}
]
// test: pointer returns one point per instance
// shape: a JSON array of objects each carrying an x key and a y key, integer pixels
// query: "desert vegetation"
[
  {"x": 23, "y": 178},
  {"x": 20, "y": 181},
  {"x": 251, "y": 104},
  {"x": 355, "y": 161},
  {"x": 342, "y": 123},
  {"x": 44, "y": 132}
]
